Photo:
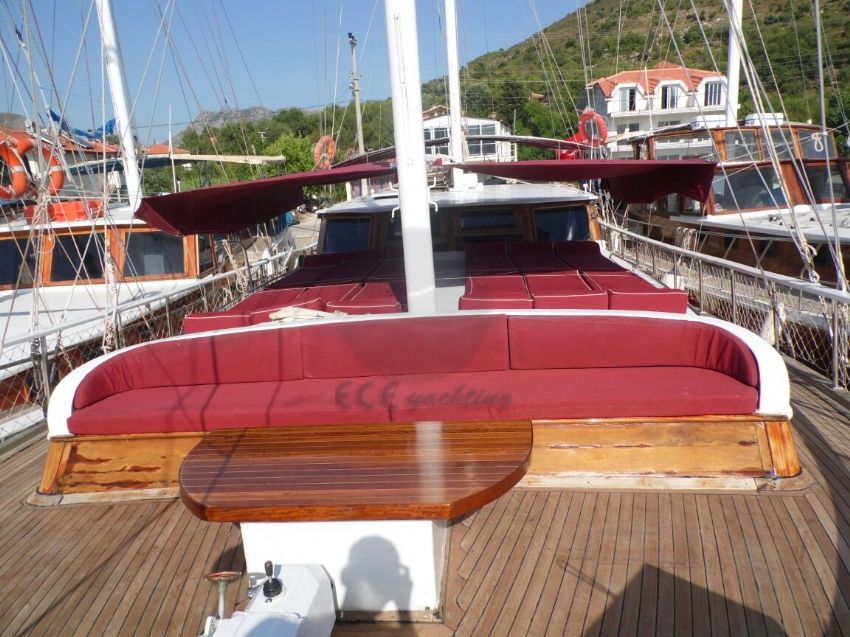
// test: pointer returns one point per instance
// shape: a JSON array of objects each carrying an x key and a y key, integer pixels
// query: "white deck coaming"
[
  {"x": 485, "y": 196},
  {"x": 774, "y": 387},
  {"x": 117, "y": 215},
  {"x": 779, "y": 222}
]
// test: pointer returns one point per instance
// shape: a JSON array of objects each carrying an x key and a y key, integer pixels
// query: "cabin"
[{"x": 749, "y": 197}]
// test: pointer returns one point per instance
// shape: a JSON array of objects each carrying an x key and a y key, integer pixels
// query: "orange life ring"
[
  {"x": 324, "y": 151},
  {"x": 14, "y": 159},
  {"x": 586, "y": 132}
]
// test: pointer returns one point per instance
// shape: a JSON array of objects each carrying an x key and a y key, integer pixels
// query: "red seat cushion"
[
  {"x": 244, "y": 357},
  {"x": 332, "y": 293},
  {"x": 586, "y": 255},
  {"x": 565, "y": 291},
  {"x": 547, "y": 342},
  {"x": 355, "y": 271},
  {"x": 628, "y": 291},
  {"x": 388, "y": 270},
  {"x": 233, "y": 406},
  {"x": 571, "y": 393},
  {"x": 536, "y": 256},
  {"x": 265, "y": 299},
  {"x": 301, "y": 277},
  {"x": 209, "y": 321},
  {"x": 375, "y": 297},
  {"x": 499, "y": 292},
  {"x": 406, "y": 346}
]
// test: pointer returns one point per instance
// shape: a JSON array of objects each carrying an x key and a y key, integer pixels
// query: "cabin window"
[
  {"x": 670, "y": 96},
  {"x": 394, "y": 229},
  {"x": 490, "y": 220},
  {"x": 814, "y": 146},
  {"x": 821, "y": 181},
  {"x": 206, "y": 257},
  {"x": 78, "y": 256},
  {"x": 782, "y": 140},
  {"x": 347, "y": 235},
  {"x": 713, "y": 91},
  {"x": 741, "y": 145},
  {"x": 152, "y": 254},
  {"x": 561, "y": 224},
  {"x": 628, "y": 99},
  {"x": 17, "y": 262},
  {"x": 743, "y": 189}
]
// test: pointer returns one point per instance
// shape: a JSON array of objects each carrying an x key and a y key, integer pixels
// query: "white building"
[
  {"x": 436, "y": 123},
  {"x": 648, "y": 99}
]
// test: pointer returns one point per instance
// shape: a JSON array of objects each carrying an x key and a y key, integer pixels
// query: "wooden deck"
[{"x": 533, "y": 562}]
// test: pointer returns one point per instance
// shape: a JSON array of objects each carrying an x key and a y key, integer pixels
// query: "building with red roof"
[{"x": 664, "y": 95}]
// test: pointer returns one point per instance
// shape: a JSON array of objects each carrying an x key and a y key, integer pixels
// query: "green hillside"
[{"x": 608, "y": 36}]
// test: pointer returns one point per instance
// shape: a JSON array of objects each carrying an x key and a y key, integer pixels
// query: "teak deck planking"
[{"x": 533, "y": 562}]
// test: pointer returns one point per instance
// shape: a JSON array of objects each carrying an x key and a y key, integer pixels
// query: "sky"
[{"x": 231, "y": 53}]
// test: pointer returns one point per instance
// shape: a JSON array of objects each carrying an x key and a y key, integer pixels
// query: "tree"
[{"x": 297, "y": 150}]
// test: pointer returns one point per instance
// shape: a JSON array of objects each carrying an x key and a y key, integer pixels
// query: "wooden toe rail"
[{"x": 419, "y": 471}]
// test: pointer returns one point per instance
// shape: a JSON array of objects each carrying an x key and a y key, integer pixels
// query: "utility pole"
[{"x": 358, "y": 116}]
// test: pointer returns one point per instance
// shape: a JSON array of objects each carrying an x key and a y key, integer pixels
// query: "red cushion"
[
  {"x": 265, "y": 299},
  {"x": 350, "y": 272},
  {"x": 375, "y": 297},
  {"x": 674, "y": 301},
  {"x": 621, "y": 282},
  {"x": 536, "y": 256},
  {"x": 244, "y": 357},
  {"x": 325, "y": 259},
  {"x": 565, "y": 291},
  {"x": 575, "y": 248},
  {"x": 407, "y": 346},
  {"x": 499, "y": 291},
  {"x": 388, "y": 270},
  {"x": 325, "y": 294},
  {"x": 234, "y": 406},
  {"x": 209, "y": 321},
  {"x": 571, "y": 393},
  {"x": 586, "y": 255},
  {"x": 541, "y": 342},
  {"x": 301, "y": 277}
]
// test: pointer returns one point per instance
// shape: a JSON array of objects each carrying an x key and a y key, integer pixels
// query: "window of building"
[
  {"x": 478, "y": 147},
  {"x": 348, "y": 234},
  {"x": 668, "y": 122},
  {"x": 628, "y": 99},
  {"x": 152, "y": 254},
  {"x": 695, "y": 145},
  {"x": 670, "y": 96},
  {"x": 77, "y": 256},
  {"x": 713, "y": 91},
  {"x": 562, "y": 224},
  {"x": 17, "y": 262},
  {"x": 441, "y": 133}
]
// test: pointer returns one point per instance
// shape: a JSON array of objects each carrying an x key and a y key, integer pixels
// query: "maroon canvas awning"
[
  {"x": 629, "y": 180},
  {"x": 233, "y": 207}
]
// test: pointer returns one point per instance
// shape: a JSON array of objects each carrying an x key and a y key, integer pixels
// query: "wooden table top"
[{"x": 393, "y": 471}]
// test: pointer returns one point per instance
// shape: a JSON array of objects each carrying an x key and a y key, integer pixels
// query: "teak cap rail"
[{"x": 393, "y": 471}]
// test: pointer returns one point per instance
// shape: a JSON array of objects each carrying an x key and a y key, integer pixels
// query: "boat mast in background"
[
  {"x": 733, "y": 63},
  {"x": 358, "y": 115},
  {"x": 403, "y": 49},
  {"x": 117, "y": 87},
  {"x": 455, "y": 109}
]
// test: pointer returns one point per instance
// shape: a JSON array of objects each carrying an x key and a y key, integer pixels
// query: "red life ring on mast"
[
  {"x": 324, "y": 151},
  {"x": 586, "y": 132},
  {"x": 14, "y": 160}
]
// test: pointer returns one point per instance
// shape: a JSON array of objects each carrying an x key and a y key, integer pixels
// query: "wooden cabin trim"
[{"x": 754, "y": 445}]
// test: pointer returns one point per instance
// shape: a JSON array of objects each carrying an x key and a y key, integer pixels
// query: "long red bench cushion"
[
  {"x": 329, "y": 294},
  {"x": 545, "y": 342},
  {"x": 325, "y": 259},
  {"x": 568, "y": 290},
  {"x": 212, "y": 407},
  {"x": 375, "y": 297},
  {"x": 571, "y": 393},
  {"x": 388, "y": 270},
  {"x": 409, "y": 346},
  {"x": 586, "y": 255},
  {"x": 495, "y": 292},
  {"x": 627, "y": 291},
  {"x": 245, "y": 357},
  {"x": 265, "y": 299}
]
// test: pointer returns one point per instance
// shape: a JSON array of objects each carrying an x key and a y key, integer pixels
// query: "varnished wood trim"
[
  {"x": 783, "y": 451},
  {"x": 54, "y": 465}
]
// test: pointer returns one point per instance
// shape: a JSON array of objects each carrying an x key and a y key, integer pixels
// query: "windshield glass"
[
  {"x": 17, "y": 263},
  {"x": 348, "y": 235},
  {"x": 741, "y": 145},
  {"x": 747, "y": 188},
  {"x": 820, "y": 181}
]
